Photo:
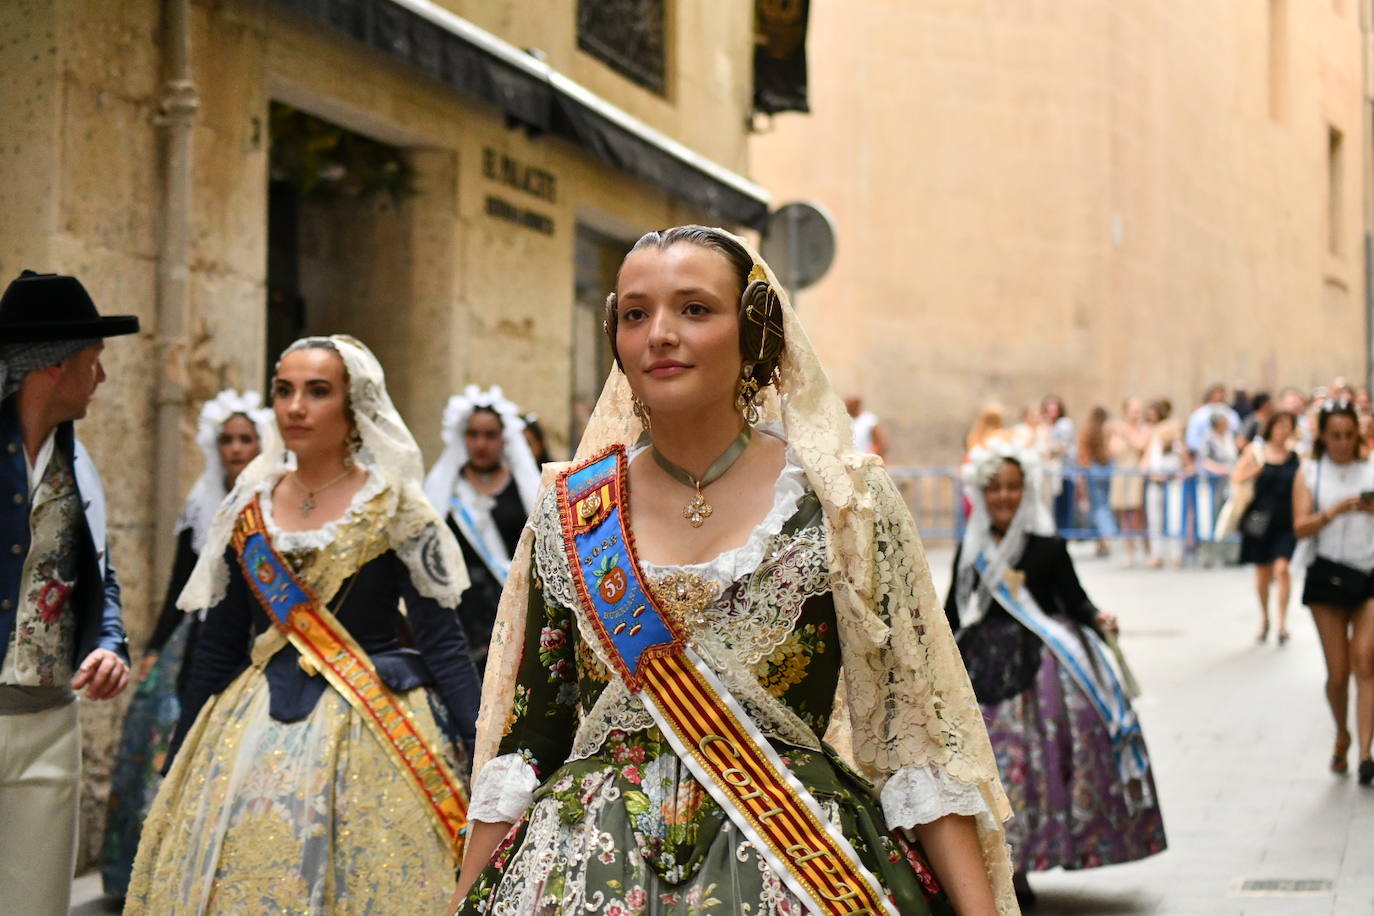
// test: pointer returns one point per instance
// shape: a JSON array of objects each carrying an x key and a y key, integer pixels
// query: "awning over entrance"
[{"x": 531, "y": 93}]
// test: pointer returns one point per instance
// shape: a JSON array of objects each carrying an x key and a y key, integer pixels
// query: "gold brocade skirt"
[{"x": 307, "y": 817}]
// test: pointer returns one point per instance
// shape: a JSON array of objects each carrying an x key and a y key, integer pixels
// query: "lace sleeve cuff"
[
  {"x": 919, "y": 795},
  {"x": 502, "y": 791}
]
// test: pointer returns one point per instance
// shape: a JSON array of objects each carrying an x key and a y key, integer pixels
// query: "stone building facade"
[
  {"x": 540, "y": 145},
  {"x": 1098, "y": 199}
]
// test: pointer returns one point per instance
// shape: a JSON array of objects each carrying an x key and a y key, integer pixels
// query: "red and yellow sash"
[
  {"x": 711, "y": 732},
  {"x": 327, "y": 646}
]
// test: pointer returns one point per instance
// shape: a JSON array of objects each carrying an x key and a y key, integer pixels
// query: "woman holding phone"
[{"x": 1333, "y": 504}]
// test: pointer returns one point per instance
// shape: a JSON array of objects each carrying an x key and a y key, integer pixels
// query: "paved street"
[{"x": 1240, "y": 737}]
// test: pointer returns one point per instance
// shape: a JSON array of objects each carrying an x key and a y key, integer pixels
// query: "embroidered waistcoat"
[{"x": 44, "y": 636}]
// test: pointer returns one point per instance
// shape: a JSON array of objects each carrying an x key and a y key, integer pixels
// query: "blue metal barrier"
[{"x": 1190, "y": 502}]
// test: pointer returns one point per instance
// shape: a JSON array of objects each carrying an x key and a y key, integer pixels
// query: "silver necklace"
[{"x": 307, "y": 505}]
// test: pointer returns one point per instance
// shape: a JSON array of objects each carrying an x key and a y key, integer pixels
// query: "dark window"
[{"x": 627, "y": 36}]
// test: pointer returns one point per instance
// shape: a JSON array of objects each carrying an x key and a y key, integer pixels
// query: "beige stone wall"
[
  {"x": 445, "y": 293},
  {"x": 1090, "y": 198}
]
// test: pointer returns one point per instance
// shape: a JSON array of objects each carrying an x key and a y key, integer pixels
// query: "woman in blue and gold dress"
[
  {"x": 696, "y": 697},
  {"x": 323, "y": 733}
]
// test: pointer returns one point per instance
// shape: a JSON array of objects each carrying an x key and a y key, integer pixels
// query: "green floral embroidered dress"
[{"x": 609, "y": 820}]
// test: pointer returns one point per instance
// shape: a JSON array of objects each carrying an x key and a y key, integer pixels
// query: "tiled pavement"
[{"x": 1239, "y": 736}]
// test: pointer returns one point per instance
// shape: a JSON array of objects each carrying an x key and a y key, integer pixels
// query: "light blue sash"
[
  {"x": 1088, "y": 661},
  {"x": 473, "y": 535}
]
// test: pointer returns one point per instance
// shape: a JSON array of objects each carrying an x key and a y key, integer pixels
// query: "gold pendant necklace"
[
  {"x": 307, "y": 505},
  {"x": 698, "y": 510}
]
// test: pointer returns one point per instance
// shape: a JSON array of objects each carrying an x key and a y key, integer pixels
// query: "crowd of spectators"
[{"x": 1152, "y": 483}]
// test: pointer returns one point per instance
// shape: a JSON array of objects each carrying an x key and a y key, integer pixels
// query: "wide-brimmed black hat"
[{"x": 42, "y": 307}]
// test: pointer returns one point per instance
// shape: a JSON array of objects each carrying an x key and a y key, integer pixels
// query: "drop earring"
[
  {"x": 641, "y": 411},
  {"x": 746, "y": 400}
]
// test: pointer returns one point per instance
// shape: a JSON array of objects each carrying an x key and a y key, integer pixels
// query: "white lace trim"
[
  {"x": 913, "y": 796},
  {"x": 739, "y": 561},
  {"x": 503, "y": 790},
  {"x": 921, "y": 794},
  {"x": 315, "y": 538}
]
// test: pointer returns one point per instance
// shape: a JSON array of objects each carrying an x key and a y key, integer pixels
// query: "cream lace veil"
[
  {"x": 389, "y": 452},
  {"x": 905, "y": 699}
]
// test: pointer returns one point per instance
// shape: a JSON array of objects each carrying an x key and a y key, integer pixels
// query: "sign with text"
[{"x": 527, "y": 179}]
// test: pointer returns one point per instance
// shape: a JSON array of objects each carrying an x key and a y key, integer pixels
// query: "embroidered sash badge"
[{"x": 712, "y": 734}]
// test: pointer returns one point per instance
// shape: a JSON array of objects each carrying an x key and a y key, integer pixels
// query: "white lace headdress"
[
  {"x": 905, "y": 697},
  {"x": 388, "y": 451},
  {"x": 209, "y": 491},
  {"x": 972, "y": 591},
  {"x": 443, "y": 477}
]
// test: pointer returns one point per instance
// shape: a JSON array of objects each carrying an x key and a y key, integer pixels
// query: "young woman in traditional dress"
[
  {"x": 1068, "y": 744},
  {"x": 229, "y": 435},
  {"x": 695, "y": 589},
  {"x": 320, "y": 757},
  {"x": 484, "y": 485}
]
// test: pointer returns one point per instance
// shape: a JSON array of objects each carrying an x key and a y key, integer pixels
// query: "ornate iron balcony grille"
[{"x": 627, "y": 36}]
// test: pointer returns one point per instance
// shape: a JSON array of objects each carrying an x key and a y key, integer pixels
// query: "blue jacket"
[{"x": 95, "y": 600}]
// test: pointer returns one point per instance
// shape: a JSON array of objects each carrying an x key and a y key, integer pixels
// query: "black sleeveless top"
[{"x": 1274, "y": 491}]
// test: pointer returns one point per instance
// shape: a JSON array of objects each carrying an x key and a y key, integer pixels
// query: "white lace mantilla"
[{"x": 420, "y": 551}]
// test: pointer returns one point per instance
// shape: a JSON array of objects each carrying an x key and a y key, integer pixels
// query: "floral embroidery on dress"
[
  {"x": 620, "y": 824},
  {"x": 786, "y": 667}
]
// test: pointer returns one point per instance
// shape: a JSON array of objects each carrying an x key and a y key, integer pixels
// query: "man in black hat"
[{"x": 60, "y": 627}]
